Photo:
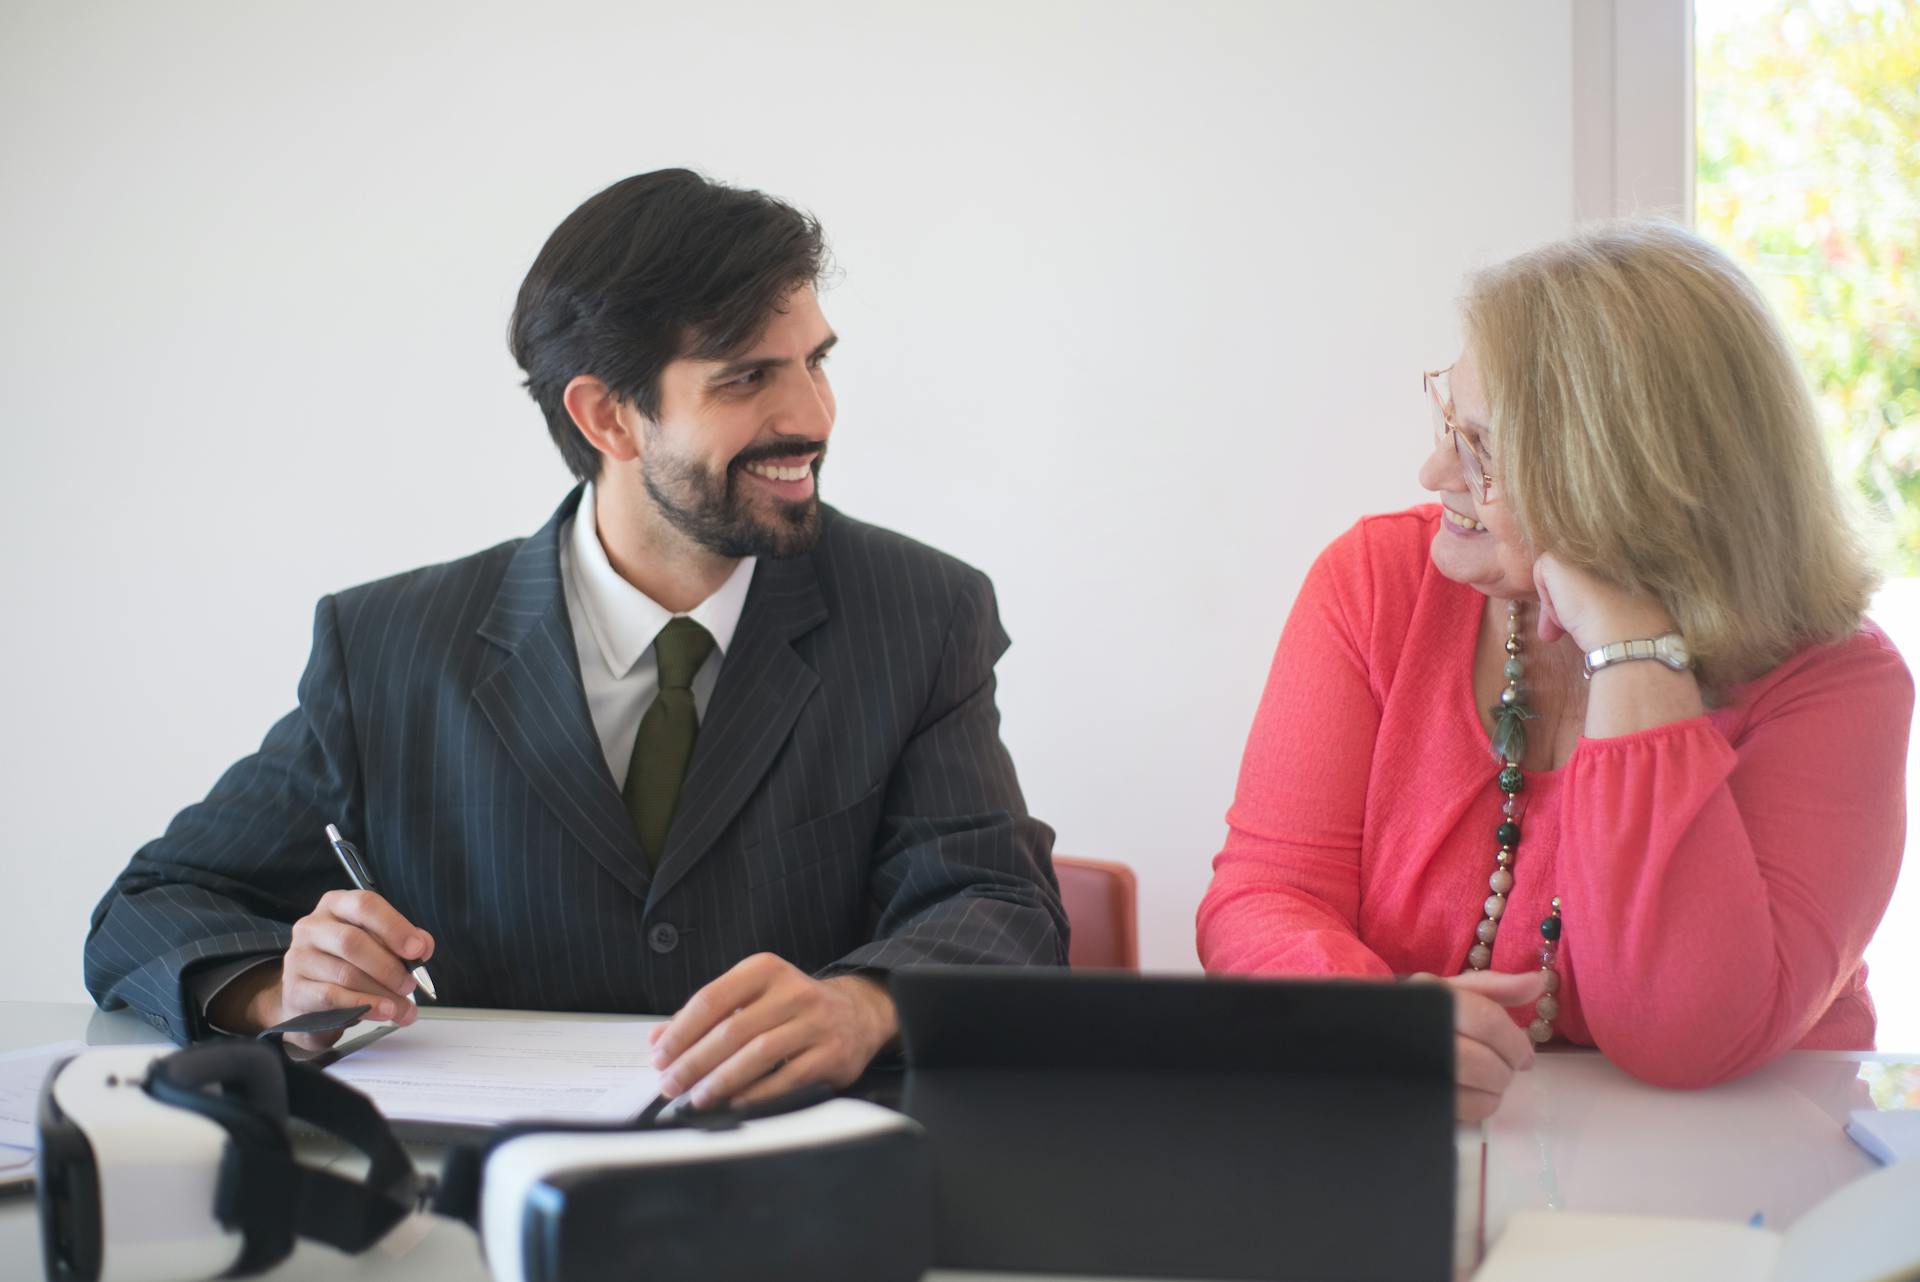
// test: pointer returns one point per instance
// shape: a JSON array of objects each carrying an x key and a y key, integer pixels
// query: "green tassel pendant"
[{"x": 1510, "y": 730}]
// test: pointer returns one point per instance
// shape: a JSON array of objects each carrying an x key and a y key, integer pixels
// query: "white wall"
[{"x": 1133, "y": 300}]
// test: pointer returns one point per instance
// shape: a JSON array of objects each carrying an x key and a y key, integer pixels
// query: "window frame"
[{"x": 1633, "y": 121}]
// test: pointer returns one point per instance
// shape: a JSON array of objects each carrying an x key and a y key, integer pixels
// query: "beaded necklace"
[{"x": 1510, "y": 717}]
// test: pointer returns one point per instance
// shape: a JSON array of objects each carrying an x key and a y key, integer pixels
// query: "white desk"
[{"x": 1575, "y": 1133}]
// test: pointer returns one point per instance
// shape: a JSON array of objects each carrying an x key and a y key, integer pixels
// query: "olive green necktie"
[{"x": 665, "y": 742}]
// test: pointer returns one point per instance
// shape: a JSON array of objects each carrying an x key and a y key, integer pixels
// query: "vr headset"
[
  {"x": 175, "y": 1166},
  {"x": 164, "y": 1166},
  {"x": 832, "y": 1191}
]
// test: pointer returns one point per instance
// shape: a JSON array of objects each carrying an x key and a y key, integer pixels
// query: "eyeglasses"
[{"x": 1440, "y": 400}]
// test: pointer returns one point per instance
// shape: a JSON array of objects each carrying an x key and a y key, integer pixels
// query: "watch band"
[{"x": 1670, "y": 649}]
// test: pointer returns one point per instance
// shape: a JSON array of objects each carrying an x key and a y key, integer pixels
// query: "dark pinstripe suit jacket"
[{"x": 849, "y": 805}]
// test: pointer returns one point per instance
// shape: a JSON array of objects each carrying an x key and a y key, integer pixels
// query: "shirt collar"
[{"x": 623, "y": 619}]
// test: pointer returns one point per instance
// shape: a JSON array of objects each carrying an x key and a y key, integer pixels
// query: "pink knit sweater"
[{"x": 1720, "y": 876}]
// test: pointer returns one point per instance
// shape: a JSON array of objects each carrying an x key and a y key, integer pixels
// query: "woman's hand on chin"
[{"x": 1591, "y": 610}]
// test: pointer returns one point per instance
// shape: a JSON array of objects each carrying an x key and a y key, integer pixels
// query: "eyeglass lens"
[{"x": 1437, "y": 392}]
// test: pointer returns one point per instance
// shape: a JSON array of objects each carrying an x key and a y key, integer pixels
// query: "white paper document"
[
  {"x": 482, "y": 1072},
  {"x": 21, "y": 1075},
  {"x": 16, "y": 1168}
]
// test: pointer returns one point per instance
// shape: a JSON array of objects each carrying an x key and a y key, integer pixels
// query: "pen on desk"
[{"x": 363, "y": 880}]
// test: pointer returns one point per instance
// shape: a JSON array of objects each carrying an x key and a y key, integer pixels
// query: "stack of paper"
[
  {"x": 482, "y": 1072},
  {"x": 21, "y": 1076}
]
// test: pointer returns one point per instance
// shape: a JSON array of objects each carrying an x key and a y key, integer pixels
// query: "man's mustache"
[{"x": 781, "y": 449}]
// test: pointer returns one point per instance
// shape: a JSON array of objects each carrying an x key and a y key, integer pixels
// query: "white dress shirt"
[{"x": 614, "y": 624}]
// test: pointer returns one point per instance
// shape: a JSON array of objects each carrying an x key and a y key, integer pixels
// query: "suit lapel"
[
  {"x": 538, "y": 706},
  {"x": 763, "y": 686}
]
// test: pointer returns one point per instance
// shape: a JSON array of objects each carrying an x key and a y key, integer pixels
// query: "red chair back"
[{"x": 1101, "y": 899}]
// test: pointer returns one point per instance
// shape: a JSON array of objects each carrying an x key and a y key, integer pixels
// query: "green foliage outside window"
[{"x": 1809, "y": 174}]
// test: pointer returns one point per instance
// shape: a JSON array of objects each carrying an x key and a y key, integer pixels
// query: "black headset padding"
[
  {"x": 463, "y": 1170},
  {"x": 240, "y": 1085}
]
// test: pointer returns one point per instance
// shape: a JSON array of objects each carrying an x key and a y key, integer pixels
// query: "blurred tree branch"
[{"x": 1809, "y": 174}]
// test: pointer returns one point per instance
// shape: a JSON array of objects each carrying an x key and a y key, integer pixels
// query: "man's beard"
[{"x": 710, "y": 510}]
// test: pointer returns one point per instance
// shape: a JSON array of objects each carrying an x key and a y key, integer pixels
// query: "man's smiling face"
[{"x": 733, "y": 458}]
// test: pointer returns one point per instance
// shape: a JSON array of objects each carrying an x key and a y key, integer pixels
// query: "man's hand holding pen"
[{"x": 353, "y": 949}]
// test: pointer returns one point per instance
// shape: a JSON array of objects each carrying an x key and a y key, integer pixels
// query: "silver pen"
[{"x": 362, "y": 879}]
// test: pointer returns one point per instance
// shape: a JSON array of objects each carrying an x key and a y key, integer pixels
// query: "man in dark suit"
[{"x": 700, "y": 744}]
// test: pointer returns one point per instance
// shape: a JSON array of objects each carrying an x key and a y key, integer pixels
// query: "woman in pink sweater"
[{"x": 1603, "y": 735}]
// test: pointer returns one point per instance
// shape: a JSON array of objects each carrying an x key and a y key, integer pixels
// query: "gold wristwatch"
[{"x": 1670, "y": 649}]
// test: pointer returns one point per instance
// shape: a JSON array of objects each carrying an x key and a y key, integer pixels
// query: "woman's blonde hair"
[{"x": 1651, "y": 425}]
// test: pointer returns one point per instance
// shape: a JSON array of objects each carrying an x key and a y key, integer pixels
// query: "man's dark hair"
[{"x": 656, "y": 267}]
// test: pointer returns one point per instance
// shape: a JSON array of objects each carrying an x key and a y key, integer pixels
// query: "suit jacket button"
[{"x": 663, "y": 938}]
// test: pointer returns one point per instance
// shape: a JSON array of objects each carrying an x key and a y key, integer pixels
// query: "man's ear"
[{"x": 609, "y": 426}]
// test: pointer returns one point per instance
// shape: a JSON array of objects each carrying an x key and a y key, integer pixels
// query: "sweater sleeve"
[
  {"x": 1285, "y": 896},
  {"x": 1718, "y": 897}
]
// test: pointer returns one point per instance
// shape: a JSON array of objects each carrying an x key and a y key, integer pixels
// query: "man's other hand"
[{"x": 765, "y": 1028}]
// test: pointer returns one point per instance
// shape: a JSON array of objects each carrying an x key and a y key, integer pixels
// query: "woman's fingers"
[
  {"x": 1482, "y": 1021},
  {"x": 1509, "y": 988},
  {"x": 1480, "y": 999},
  {"x": 1488, "y": 1047},
  {"x": 1474, "y": 1106},
  {"x": 1476, "y": 1066},
  {"x": 1548, "y": 624}
]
